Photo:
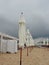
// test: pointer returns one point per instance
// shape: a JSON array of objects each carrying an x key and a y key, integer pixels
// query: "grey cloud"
[{"x": 36, "y": 14}]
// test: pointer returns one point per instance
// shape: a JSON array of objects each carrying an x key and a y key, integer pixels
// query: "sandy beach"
[{"x": 37, "y": 56}]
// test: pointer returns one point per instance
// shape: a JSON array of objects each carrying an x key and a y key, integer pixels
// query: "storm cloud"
[{"x": 36, "y": 13}]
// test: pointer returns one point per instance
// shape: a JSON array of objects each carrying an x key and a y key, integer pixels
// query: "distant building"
[
  {"x": 8, "y": 44},
  {"x": 41, "y": 41}
]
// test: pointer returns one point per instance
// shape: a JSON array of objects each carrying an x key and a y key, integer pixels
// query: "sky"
[{"x": 36, "y": 13}]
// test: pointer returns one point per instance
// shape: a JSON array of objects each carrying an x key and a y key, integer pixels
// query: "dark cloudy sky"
[{"x": 36, "y": 13}]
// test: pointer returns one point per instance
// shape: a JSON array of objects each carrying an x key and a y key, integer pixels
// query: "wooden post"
[
  {"x": 20, "y": 56},
  {"x": 1, "y": 42},
  {"x": 27, "y": 51}
]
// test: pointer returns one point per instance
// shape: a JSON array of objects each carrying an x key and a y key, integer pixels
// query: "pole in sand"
[{"x": 20, "y": 56}]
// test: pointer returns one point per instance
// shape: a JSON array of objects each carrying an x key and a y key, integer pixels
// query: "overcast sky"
[{"x": 36, "y": 13}]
